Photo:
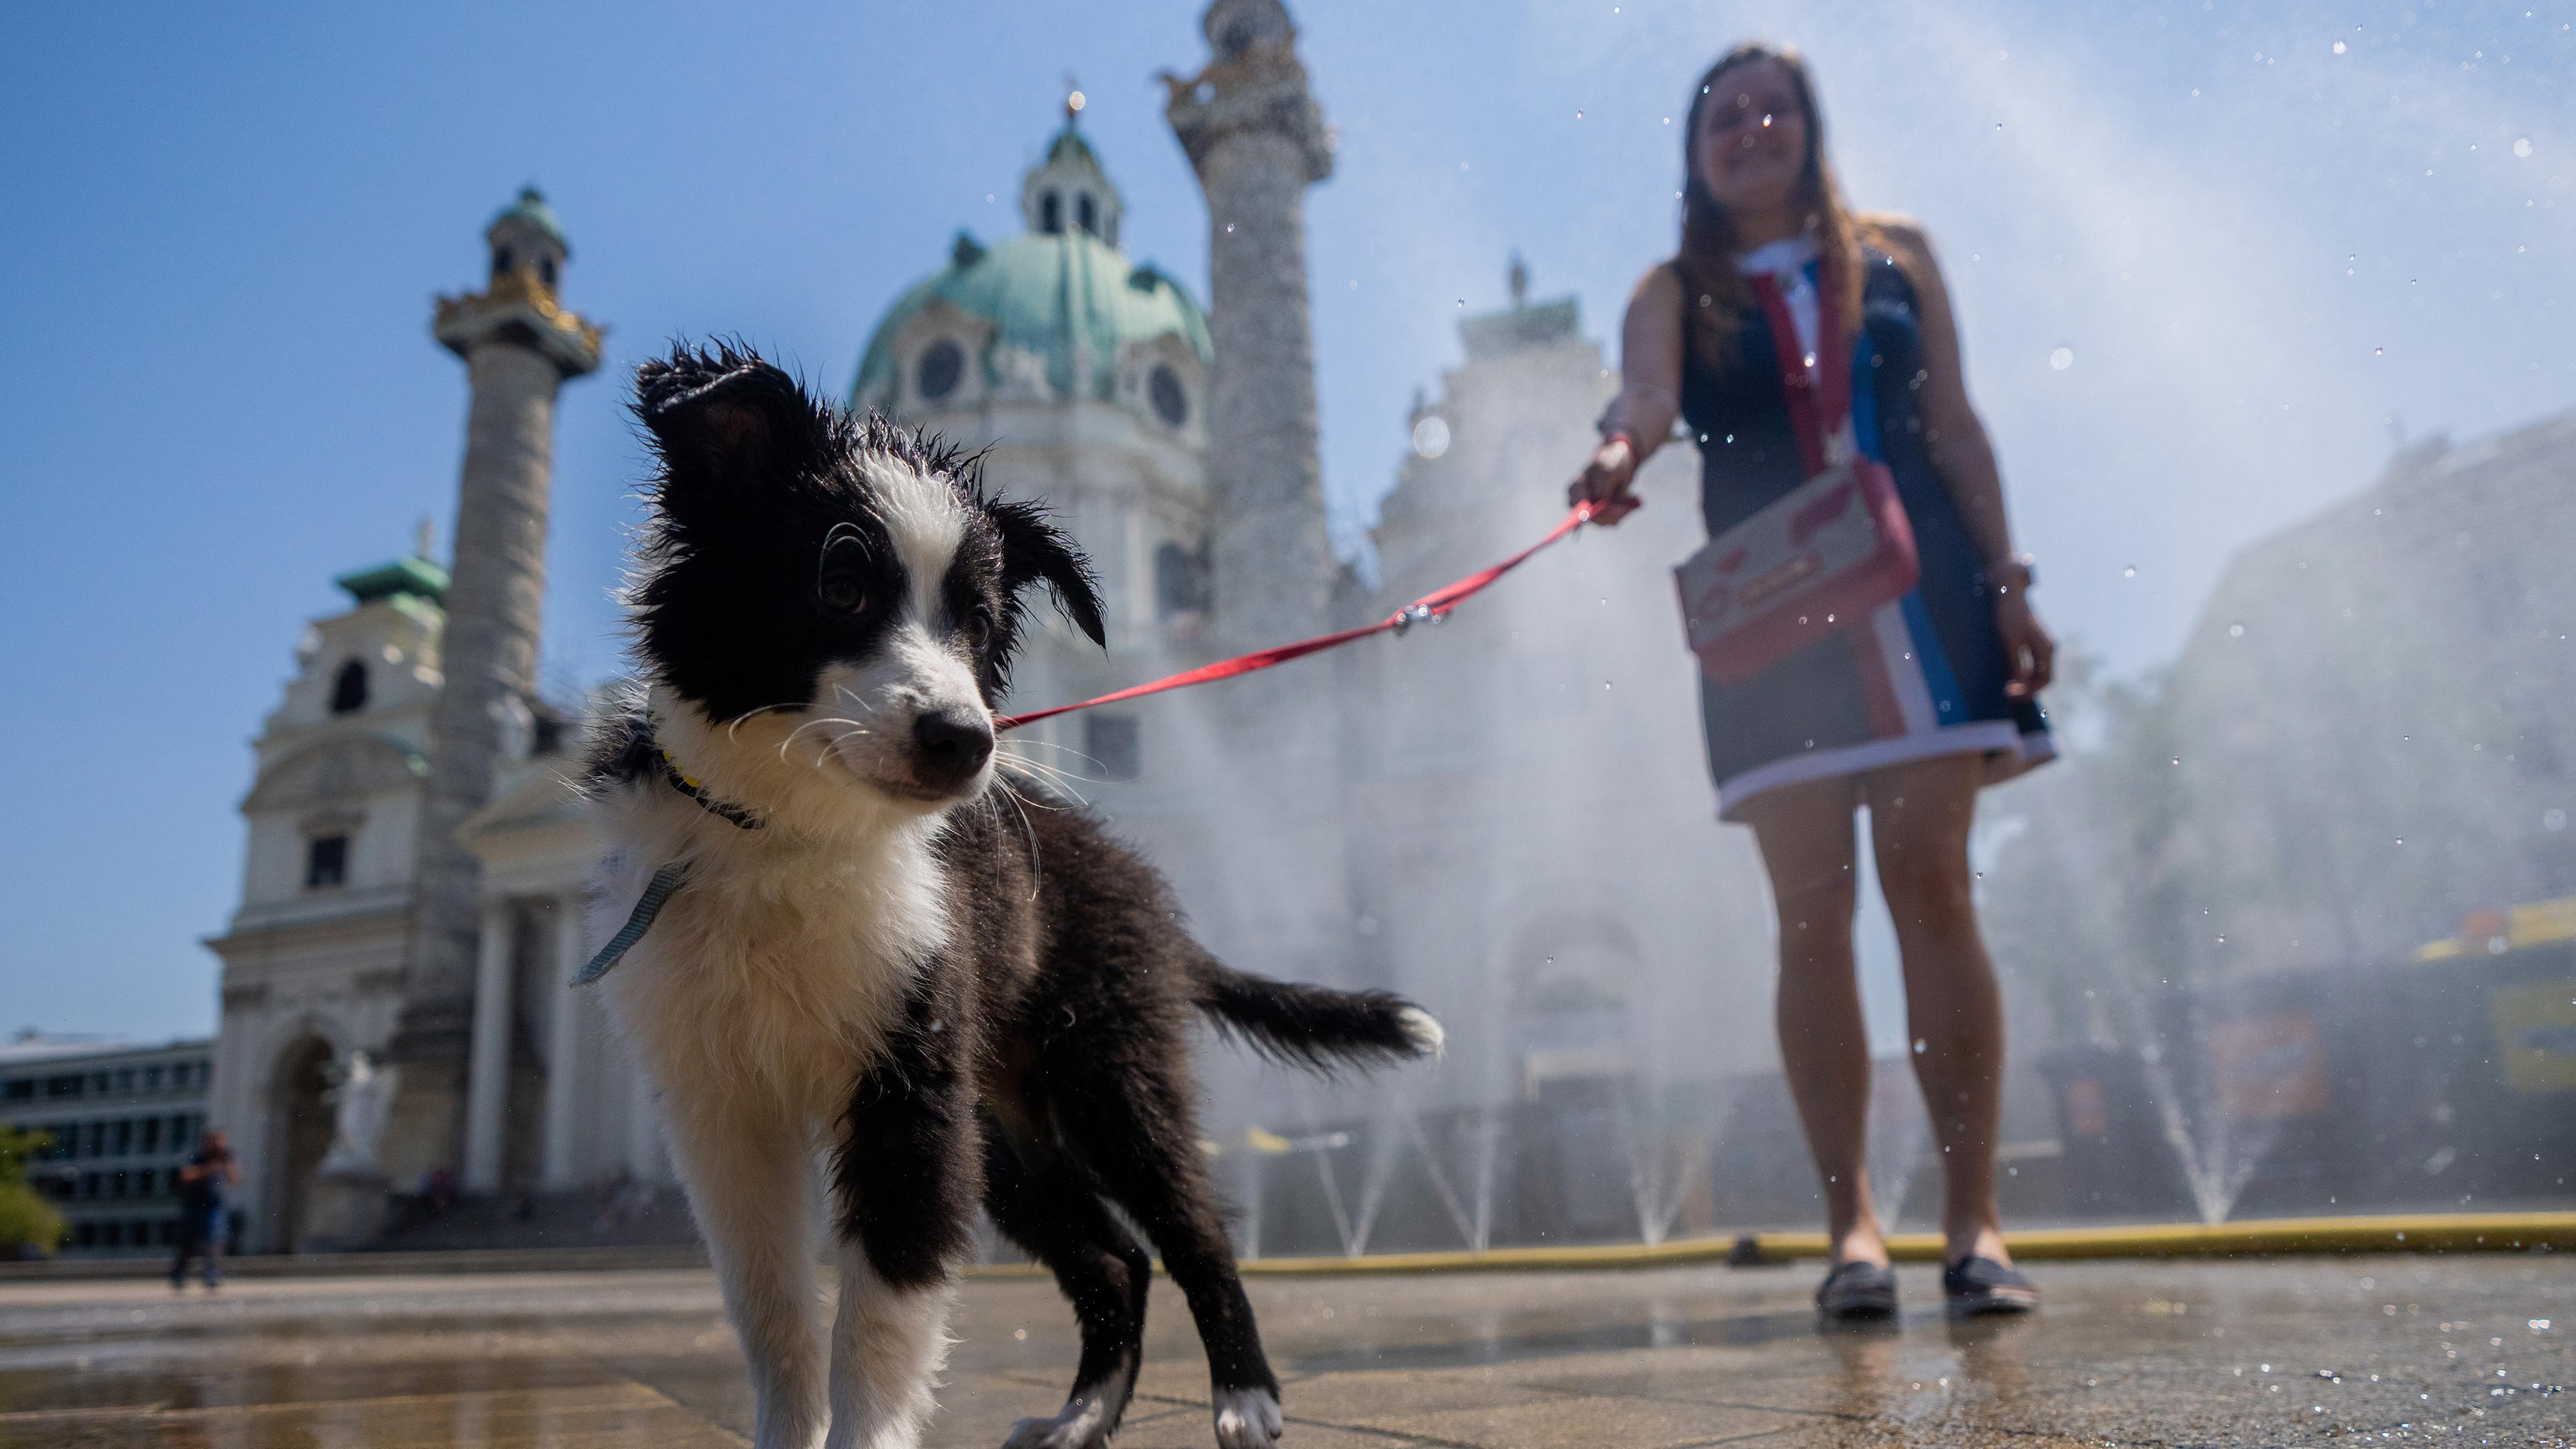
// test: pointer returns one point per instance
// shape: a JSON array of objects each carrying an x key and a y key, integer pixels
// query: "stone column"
[
  {"x": 519, "y": 345},
  {"x": 487, "y": 1083},
  {"x": 564, "y": 1064},
  {"x": 1257, "y": 141}
]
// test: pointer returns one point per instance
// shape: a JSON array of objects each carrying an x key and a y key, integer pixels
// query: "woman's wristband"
[{"x": 2016, "y": 574}]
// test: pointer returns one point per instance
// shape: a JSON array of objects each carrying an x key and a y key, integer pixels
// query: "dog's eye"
[
  {"x": 840, "y": 593},
  {"x": 979, "y": 626}
]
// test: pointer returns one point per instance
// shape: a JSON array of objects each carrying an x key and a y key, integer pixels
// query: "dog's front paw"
[
  {"x": 1247, "y": 1419},
  {"x": 1081, "y": 1425}
]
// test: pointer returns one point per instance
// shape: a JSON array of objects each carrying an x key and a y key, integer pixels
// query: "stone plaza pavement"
[{"x": 2468, "y": 1350}]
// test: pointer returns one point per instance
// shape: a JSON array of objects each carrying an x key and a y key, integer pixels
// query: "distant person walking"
[
  {"x": 202, "y": 1190},
  {"x": 1910, "y": 708}
]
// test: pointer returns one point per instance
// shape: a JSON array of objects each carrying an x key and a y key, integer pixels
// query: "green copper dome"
[{"x": 1054, "y": 293}]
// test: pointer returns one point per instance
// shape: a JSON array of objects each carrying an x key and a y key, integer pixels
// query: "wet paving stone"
[{"x": 2453, "y": 1351}]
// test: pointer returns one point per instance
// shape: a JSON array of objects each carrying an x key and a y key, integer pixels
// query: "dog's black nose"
[{"x": 952, "y": 745}]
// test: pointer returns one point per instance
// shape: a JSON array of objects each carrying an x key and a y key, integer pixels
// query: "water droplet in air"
[
  {"x": 2401, "y": 840},
  {"x": 1605, "y": 684},
  {"x": 1578, "y": 115},
  {"x": 1229, "y": 228},
  {"x": 2338, "y": 47},
  {"x": 1919, "y": 1046},
  {"x": 2177, "y": 759},
  {"x": 2553, "y": 819},
  {"x": 2130, "y": 572},
  {"x": 2379, "y": 352},
  {"x": 2522, "y": 146},
  {"x": 2236, "y": 631},
  {"x": 1431, "y": 437},
  {"x": 2062, "y": 358}
]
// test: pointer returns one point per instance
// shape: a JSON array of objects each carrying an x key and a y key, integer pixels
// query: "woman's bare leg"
[
  {"x": 1805, "y": 832},
  {"x": 1919, "y": 816}
]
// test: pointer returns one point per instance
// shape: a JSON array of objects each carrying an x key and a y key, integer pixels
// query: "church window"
[
  {"x": 1171, "y": 400},
  {"x": 1180, "y": 585},
  {"x": 1051, "y": 212},
  {"x": 1086, "y": 212},
  {"x": 502, "y": 262},
  {"x": 326, "y": 862},
  {"x": 1114, "y": 743},
  {"x": 546, "y": 272},
  {"x": 349, "y": 688},
  {"x": 942, "y": 367}
]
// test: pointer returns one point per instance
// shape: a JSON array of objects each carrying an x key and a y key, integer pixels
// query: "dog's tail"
[{"x": 1311, "y": 1026}]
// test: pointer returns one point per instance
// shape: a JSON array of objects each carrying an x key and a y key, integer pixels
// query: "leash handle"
[{"x": 1431, "y": 606}]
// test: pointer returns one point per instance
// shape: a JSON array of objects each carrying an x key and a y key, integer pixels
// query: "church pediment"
[{"x": 351, "y": 767}]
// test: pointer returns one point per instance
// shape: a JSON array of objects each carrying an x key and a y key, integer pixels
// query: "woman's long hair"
[{"x": 1715, "y": 296}]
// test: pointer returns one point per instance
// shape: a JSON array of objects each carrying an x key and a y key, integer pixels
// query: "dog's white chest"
[{"x": 778, "y": 971}]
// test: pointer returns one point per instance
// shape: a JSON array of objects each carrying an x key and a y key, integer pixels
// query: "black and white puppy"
[{"x": 875, "y": 957}]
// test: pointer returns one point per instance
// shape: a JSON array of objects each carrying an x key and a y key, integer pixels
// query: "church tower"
[
  {"x": 1257, "y": 141},
  {"x": 519, "y": 345}
]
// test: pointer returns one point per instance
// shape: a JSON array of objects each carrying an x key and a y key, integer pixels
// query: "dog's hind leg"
[
  {"x": 908, "y": 1177},
  {"x": 1140, "y": 1136},
  {"x": 1053, "y": 1211},
  {"x": 750, "y": 1180}
]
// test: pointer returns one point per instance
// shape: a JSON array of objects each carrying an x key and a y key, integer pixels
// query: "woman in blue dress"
[{"x": 1909, "y": 711}]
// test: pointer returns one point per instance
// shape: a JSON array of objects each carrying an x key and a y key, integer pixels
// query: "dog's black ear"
[
  {"x": 1036, "y": 551},
  {"x": 724, "y": 420}
]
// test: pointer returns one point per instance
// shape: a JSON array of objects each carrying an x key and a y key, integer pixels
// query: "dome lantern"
[{"x": 1069, "y": 190}]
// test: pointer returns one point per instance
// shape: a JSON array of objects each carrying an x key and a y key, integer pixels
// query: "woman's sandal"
[
  {"x": 1977, "y": 1286},
  {"x": 1858, "y": 1290}
]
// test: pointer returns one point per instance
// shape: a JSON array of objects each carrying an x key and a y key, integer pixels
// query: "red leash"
[{"x": 1431, "y": 606}]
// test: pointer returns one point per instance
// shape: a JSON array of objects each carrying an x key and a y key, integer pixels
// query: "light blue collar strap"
[{"x": 657, "y": 893}]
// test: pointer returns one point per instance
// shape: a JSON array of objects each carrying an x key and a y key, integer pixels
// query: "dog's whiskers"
[
  {"x": 810, "y": 724},
  {"x": 1037, "y": 871},
  {"x": 733, "y": 731}
]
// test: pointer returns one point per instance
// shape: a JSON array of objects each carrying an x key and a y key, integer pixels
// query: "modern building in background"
[{"x": 123, "y": 1118}]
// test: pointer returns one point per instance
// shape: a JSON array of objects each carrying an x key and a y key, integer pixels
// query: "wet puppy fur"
[{"x": 893, "y": 949}]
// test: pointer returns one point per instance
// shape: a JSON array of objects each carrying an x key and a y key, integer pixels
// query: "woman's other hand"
[
  {"x": 2027, "y": 643},
  {"x": 1604, "y": 481}
]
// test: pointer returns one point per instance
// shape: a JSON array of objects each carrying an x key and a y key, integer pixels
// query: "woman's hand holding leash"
[{"x": 1604, "y": 481}]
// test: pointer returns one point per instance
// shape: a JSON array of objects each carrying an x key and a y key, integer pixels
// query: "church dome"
[{"x": 1056, "y": 314}]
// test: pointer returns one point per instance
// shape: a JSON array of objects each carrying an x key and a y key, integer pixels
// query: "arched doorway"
[{"x": 301, "y": 1121}]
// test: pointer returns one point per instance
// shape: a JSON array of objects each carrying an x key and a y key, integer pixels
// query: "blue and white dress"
[{"x": 1924, "y": 676}]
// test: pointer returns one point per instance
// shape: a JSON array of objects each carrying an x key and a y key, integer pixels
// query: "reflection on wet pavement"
[{"x": 2456, "y": 1351}]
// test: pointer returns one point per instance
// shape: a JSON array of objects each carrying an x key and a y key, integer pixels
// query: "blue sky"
[{"x": 223, "y": 233}]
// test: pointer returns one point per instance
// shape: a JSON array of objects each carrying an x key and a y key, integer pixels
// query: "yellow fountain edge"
[{"x": 2391, "y": 1233}]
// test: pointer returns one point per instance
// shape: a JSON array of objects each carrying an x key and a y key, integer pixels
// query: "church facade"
[{"x": 1505, "y": 817}]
